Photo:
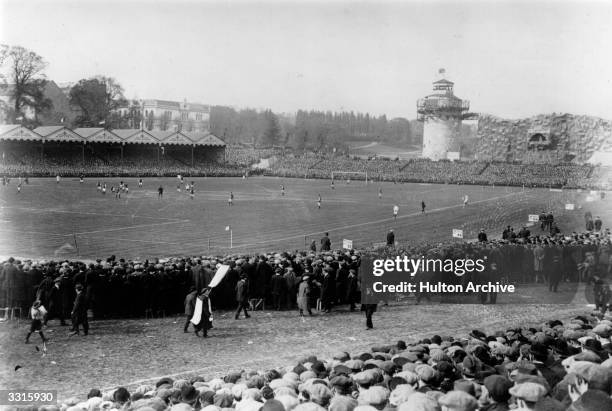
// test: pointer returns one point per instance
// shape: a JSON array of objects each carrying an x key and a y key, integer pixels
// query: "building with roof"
[
  {"x": 165, "y": 115},
  {"x": 59, "y": 114}
]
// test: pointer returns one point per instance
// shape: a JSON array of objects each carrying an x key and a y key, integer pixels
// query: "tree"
[
  {"x": 27, "y": 82},
  {"x": 271, "y": 132},
  {"x": 96, "y": 98}
]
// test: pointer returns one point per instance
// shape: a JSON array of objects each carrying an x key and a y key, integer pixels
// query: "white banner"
[
  {"x": 590, "y": 199},
  {"x": 348, "y": 244},
  {"x": 197, "y": 312},
  {"x": 594, "y": 192},
  {"x": 457, "y": 233},
  {"x": 556, "y": 190},
  {"x": 223, "y": 269},
  {"x": 569, "y": 207},
  {"x": 534, "y": 218}
]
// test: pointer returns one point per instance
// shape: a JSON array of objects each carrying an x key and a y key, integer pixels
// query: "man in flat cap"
[
  {"x": 458, "y": 401},
  {"x": 527, "y": 394},
  {"x": 79, "y": 312}
]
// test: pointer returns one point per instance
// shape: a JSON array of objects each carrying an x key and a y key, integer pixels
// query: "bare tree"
[{"x": 27, "y": 80}]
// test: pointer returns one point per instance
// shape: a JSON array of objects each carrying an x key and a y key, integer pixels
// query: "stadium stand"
[{"x": 51, "y": 151}]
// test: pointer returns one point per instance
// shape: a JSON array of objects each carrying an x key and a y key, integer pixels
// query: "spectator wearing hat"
[
  {"x": 54, "y": 299},
  {"x": 278, "y": 288},
  {"x": 341, "y": 385},
  {"x": 591, "y": 400},
  {"x": 497, "y": 393},
  {"x": 390, "y": 238},
  {"x": 79, "y": 312},
  {"x": 544, "y": 364},
  {"x": 369, "y": 310},
  {"x": 352, "y": 289},
  {"x": 242, "y": 296},
  {"x": 375, "y": 396},
  {"x": 458, "y": 401},
  {"x": 9, "y": 278},
  {"x": 120, "y": 397},
  {"x": 190, "y": 301},
  {"x": 325, "y": 243},
  {"x": 205, "y": 322},
  {"x": 303, "y": 295},
  {"x": 197, "y": 276},
  {"x": 527, "y": 394},
  {"x": 328, "y": 288}
]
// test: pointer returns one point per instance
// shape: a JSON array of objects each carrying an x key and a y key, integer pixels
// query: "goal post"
[{"x": 349, "y": 175}]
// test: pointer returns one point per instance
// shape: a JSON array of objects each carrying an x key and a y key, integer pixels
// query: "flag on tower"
[{"x": 227, "y": 228}]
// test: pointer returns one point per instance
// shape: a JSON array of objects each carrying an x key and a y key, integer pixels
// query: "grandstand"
[{"x": 57, "y": 150}]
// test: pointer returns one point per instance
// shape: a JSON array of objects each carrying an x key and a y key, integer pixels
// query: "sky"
[{"x": 510, "y": 59}]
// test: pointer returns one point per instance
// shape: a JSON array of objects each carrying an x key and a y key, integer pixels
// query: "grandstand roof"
[
  {"x": 125, "y": 132},
  {"x": 136, "y": 136},
  {"x": 206, "y": 139},
  {"x": 57, "y": 133},
  {"x": 160, "y": 135},
  {"x": 178, "y": 138},
  {"x": 98, "y": 135},
  {"x": 18, "y": 132},
  {"x": 210, "y": 140}
]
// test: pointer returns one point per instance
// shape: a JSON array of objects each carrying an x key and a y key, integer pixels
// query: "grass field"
[
  {"x": 72, "y": 220},
  {"x": 47, "y": 220}
]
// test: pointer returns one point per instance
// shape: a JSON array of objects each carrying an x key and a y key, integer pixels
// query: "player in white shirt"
[
  {"x": 37, "y": 312},
  {"x": 380, "y": 193},
  {"x": 57, "y": 179},
  {"x": 465, "y": 200},
  {"x": 395, "y": 211},
  {"x": 319, "y": 202},
  {"x": 230, "y": 200},
  {"x": 140, "y": 182}
]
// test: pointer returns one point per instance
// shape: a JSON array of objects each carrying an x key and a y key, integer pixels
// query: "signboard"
[
  {"x": 348, "y": 244},
  {"x": 534, "y": 218},
  {"x": 556, "y": 190},
  {"x": 590, "y": 198},
  {"x": 457, "y": 233},
  {"x": 569, "y": 207},
  {"x": 223, "y": 269},
  {"x": 594, "y": 192}
]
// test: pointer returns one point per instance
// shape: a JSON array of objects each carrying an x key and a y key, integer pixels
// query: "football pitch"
[{"x": 74, "y": 220}]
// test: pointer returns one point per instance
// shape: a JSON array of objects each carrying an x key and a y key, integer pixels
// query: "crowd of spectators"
[
  {"x": 160, "y": 285},
  {"x": 238, "y": 161},
  {"x": 539, "y": 175},
  {"x": 555, "y": 366},
  {"x": 247, "y": 156}
]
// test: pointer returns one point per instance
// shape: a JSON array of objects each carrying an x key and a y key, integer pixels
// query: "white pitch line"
[
  {"x": 90, "y": 213},
  {"x": 384, "y": 220},
  {"x": 131, "y": 227},
  {"x": 133, "y": 240}
]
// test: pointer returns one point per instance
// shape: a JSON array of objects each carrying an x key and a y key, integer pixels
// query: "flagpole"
[{"x": 231, "y": 238}]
